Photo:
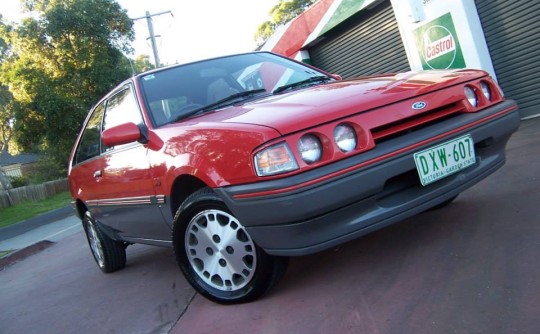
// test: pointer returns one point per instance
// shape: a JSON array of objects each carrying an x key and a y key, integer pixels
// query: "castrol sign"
[{"x": 438, "y": 45}]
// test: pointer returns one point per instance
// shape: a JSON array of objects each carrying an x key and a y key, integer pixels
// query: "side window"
[
  {"x": 90, "y": 143},
  {"x": 121, "y": 108}
]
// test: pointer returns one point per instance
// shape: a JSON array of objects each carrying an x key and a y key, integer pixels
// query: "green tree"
[
  {"x": 280, "y": 14},
  {"x": 6, "y": 114},
  {"x": 8, "y": 108},
  {"x": 3, "y": 45},
  {"x": 142, "y": 63},
  {"x": 60, "y": 61},
  {"x": 7, "y": 104}
]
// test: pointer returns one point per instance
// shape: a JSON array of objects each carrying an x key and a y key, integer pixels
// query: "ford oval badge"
[{"x": 419, "y": 105}]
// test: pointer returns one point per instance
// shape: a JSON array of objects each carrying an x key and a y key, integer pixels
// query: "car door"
[
  {"x": 87, "y": 159},
  {"x": 122, "y": 190}
]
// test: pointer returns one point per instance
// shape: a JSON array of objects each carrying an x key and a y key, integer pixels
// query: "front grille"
[{"x": 416, "y": 122}]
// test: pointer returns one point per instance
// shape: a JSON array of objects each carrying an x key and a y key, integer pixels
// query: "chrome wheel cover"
[
  {"x": 95, "y": 243},
  {"x": 220, "y": 251}
]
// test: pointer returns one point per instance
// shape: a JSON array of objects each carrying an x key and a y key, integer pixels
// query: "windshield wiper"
[
  {"x": 319, "y": 78},
  {"x": 227, "y": 100}
]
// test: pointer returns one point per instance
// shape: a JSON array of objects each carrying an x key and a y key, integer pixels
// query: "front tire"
[
  {"x": 110, "y": 255},
  {"x": 216, "y": 254}
]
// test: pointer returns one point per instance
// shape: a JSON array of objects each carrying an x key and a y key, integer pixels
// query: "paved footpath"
[
  {"x": 53, "y": 232},
  {"x": 33, "y": 235}
]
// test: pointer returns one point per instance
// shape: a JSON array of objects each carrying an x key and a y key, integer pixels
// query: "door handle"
[{"x": 97, "y": 173}]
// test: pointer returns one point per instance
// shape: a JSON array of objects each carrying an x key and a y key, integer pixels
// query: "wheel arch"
[
  {"x": 182, "y": 187},
  {"x": 80, "y": 208}
]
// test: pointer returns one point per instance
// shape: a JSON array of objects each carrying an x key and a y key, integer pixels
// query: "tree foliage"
[
  {"x": 7, "y": 103},
  {"x": 142, "y": 63},
  {"x": 280, "y": 14},
  {"x": 8, "y": 108},
  {"x": 60, "y": 61}
]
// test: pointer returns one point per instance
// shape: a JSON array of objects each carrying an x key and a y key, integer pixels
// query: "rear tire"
[
  {"x": 110, "y": 255},
  {"x": 216, "y": 254}
]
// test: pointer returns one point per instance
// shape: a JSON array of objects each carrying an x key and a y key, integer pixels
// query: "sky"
[{"x": 197, "y": 29}]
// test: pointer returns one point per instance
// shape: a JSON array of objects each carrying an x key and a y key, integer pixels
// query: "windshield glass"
[{"x": 182, "y": 91}]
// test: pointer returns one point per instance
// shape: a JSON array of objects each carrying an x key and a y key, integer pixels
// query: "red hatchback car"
[{"x": 241, "y": 161}]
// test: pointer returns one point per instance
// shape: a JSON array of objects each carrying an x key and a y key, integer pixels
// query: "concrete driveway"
[{"x": 471, "y": 267}]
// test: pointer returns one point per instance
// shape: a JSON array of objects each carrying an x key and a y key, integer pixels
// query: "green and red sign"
[{"x": 438, "y": 44}]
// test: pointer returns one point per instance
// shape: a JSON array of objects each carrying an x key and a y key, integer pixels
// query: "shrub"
[
  {"x": 19, "y": 181},
  {"x": 46, "y": 169}
]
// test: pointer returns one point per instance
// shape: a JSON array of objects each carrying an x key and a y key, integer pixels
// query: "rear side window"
[{"x": 90, "y": 144}]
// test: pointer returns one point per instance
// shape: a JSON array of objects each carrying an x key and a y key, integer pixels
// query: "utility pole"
[{"x": 148, "y": 18}]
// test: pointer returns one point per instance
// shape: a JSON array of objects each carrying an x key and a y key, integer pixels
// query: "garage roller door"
[
  {"x": 367, "y": 43},
  {"x": 512, "y": 30}
]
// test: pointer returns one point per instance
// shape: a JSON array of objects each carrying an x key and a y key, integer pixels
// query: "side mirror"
[
  {"x": 122, "y": 134},
  {"x": 336, "y": 76}
]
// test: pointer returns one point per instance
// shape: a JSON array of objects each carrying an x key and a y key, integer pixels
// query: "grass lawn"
[
  {"x": 4, "y": 253},
  {"x": 27, "y": 210}
]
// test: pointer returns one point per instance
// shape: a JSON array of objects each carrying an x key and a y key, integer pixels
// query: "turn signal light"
[{"x": 274, "y": 160}]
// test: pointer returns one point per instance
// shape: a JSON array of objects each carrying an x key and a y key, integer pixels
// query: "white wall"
[{"x": 412, "y": 14}]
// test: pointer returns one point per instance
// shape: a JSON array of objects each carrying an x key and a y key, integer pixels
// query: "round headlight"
[
  {"x": 471, "y": 96},
  {"x": 345, "y": 137},
  {"x": 310, "y": 148},
  {"x": 486, "y": 90}
]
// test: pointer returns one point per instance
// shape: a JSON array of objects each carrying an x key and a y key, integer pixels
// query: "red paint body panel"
[
  {"x": 317, "y": 105},
  {"x": 217, "y": 147},
  {"x": 216, "y": 153},
  {"x": 366, "y": 104}
]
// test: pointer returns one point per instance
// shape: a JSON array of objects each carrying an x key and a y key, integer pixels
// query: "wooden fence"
[{"x": 32, "y": 193}]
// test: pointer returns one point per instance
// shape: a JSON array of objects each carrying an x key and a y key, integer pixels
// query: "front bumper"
[{"x": 323, "y": 208}]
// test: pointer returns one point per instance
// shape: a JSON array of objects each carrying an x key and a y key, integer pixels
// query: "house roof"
[{"x": 7, "y": 159}]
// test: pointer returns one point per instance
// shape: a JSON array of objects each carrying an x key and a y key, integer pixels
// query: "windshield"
[{"x": 179, "y": 92}]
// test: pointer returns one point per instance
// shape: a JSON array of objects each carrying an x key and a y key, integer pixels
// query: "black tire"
[
  {"x": 224, "y": 265},
  {"x": 110, "y": 255}
]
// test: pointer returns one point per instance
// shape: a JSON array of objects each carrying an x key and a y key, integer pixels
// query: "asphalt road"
[{"x": 471, "y": 267}]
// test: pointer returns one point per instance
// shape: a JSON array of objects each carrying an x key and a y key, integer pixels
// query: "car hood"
[{"x": 309, "y": 107}]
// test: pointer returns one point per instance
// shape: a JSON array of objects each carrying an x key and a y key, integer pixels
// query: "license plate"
[{"x": 445, "y": 159}]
